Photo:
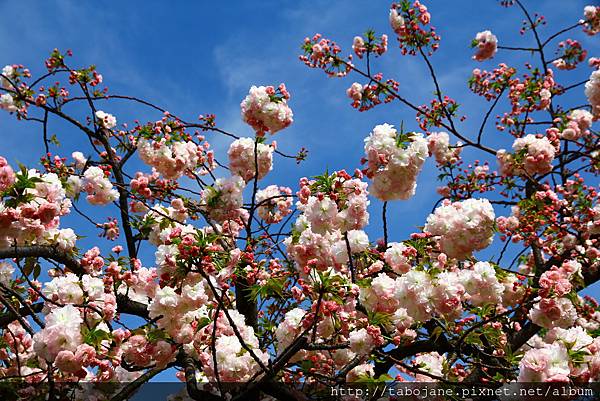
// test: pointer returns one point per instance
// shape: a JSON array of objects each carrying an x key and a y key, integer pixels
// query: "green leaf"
[
  {"x": 29, "y": 266},
  {"x": 436, "y": 333},
  {"x": 380, "y": 319},
  {"x": 385, "y": 378},
  {"x": 37, "y": 269},
  {"x": 155, "y": 335},
  {"x": 95, "y": 337},
  {"x": 54, "y": 140}
]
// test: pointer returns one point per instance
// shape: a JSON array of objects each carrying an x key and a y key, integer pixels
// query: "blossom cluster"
[
  {"x": 31, "y": 209},
  {"x": 7, "y": 175},
  {"x": 243, "y": 161},
  {"x": 167, "y": 147},
  {"x": 438, "y": 110},
  {"x": 235, "y": 363},
  {"x": 106, "y": 120},
  {"x": 377, "y": 46},
  {"x": 365, "y": 97},
  {"x": 462, "y": 227},
  {"x": 398, "y": 256},
  {"x": 578, "y": 124},
  {"x": 323, "y": 53},
  {"x": 189, "y": 304},
  {"x": 9, "y": 73},
  {"x": 561, "y": 354},
  {"x": 98, "y": 187},
  {"x": 62, "y": 333},
  {"x": 162, "y": 219},
  {"x": 532, "y": 155},
  {"x": 172, "y": 161},
  {"x": 149, "y": 186},
  {"x": 265, "y": 109},
  {"x": 486, "y": 44},
  {"x": 571, "y": 54},
  {"x": 394, "y": 160},
  {"x": 490, "y": 84},
  {"x": 416, "y": 296},
  {"x": 223, "y": 200},
  {"x": 536, "y": 220},
  {"x": 329, "y": 230},
  {"x": 532, "y": 92},
  {"x": 592, "y": 91},
  {"x": 439, "y": 146},
  {"x": 411, "y": 23},
  {"x": 336, "y": 202},
  {"x": 274, "y": 203},
  {"x": 592, "y": 20},
  {"x": 10, "y": 79}
]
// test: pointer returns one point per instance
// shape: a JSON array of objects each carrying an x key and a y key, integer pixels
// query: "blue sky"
[
  {"x": 201, "y": 57},
  {"x": 194, "y": 58}
]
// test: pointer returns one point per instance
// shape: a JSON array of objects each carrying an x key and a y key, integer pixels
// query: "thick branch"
[
  {"x": 130, "y": 307},
  {"x": 43, "y": 251},
  {"x": 9, "y": 317},
  {"x": 439, "y": 344},
  {"x": 192, "y": 383},
  {"x": 131, "y": 388}
]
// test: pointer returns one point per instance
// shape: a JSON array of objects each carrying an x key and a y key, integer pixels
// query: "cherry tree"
[{"x": 256, "y": 292}]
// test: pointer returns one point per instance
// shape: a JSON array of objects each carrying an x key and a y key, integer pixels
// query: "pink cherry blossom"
[
  {"x": 7, "y": 175},
  {"x": 266, "y": 110},
  {"x": 242, "y": 160},
  {"x": 487, "y": 45},
  {"x": 106, "y": 120},
  {"x": 462, "y": 227},
  {"x": 592, "y": 91},
  {"x": 274, "y": 203},
  {"x": 392, "y": 164}
]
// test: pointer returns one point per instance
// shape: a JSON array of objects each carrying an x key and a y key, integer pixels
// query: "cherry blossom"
[
  {"x": 227, "y": 194},
  {"x": 579, "y": 122},
  {"x": 439, "y": 146},
  {"x": 533, "y": 155},
  {"x": 274, "y": 202},
  {"x": 462, "y": 227},
  {"x": 265, "y": 109},
  {"x": 172, "y": 161},
  {"x": 7, "y": 103},
  {"x": 592, "y": 91},
  {"x": 106, "y": 120},
  {"x": 241, "y": 158},
  {"x": 62, "y": 333},
  {"x": 99, "y": 189},
  {"x": 486, "y": 44},
  {"x": 394, "y": 161},
  {"x": 592, "y": 20},
  {"x": 244, "y": 290}
]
